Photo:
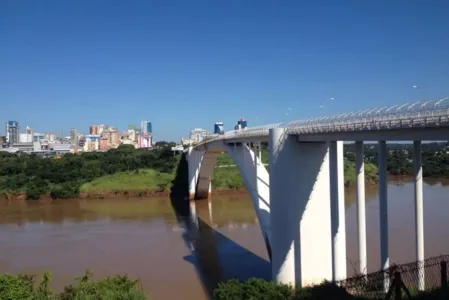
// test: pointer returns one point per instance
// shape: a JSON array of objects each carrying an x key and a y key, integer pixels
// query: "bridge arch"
[{"x": 202, "y": 163}]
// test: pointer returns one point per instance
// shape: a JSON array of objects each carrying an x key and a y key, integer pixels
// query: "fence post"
[
  {"x": 443, "y": 270},
  {"x": 397, "y": 286}
]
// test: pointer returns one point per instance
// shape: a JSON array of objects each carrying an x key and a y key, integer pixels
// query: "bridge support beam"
[
  {"x": 194, "y": 159},
  {"x": 383, "y": 211},
  {"x": 336, "y": 165},
  {"x": 419, "y": 213},
  {"x": 201, "y": 167},
  {"x": 361, "y": 212},
  {"x": 257, "y": 181},
  {"x": 300, "y": 210}
]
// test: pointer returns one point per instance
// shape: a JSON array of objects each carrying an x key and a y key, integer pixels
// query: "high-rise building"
[
  {"x": 94, "y": 129},
  {"x": 242, "y": 122},
  {"x": 146, "y": 129},
  {"x": 219, "y": 128},
  {"x": 101, "y": 128},
  {"x": 50, "y": 136},
  {"x": 12, "y": 132},
  {"x": 73, "y": 136}
]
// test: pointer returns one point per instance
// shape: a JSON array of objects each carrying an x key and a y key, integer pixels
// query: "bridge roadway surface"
[{"x": 419, "y": 121}]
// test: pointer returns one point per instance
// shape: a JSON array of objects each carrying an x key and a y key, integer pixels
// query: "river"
[{"x": 177, "y": 256}]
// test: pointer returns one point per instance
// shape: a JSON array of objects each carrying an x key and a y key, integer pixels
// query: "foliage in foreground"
[
  {"x": 255, "y": 289},
  {"x": 14, "y": 287}
]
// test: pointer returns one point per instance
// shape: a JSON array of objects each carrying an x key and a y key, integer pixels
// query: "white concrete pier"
[
  {"x": 419, "y": 213},
  {"x": 338, "y": 220},
  {"x": 361, "y": 212},
  {"x": 300, "y": 210}
]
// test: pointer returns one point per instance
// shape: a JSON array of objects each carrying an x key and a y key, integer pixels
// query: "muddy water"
[{"x": 178, "y": 255}]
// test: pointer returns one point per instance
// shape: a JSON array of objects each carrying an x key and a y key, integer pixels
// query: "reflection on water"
[{"x": 181, "y": 249}]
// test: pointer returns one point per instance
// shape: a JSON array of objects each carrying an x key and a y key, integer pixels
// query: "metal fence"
[
  {"x": 428, "y": 114},
  {"x": 400, "y": 280}
]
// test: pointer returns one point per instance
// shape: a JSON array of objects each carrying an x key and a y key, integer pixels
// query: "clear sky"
[{"x": 185, "y": 64}]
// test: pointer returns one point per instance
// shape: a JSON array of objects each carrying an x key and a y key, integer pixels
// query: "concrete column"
[
  {"x": 383, "y": 211},
  {"x": 197, "y": 167},
  {"x": 361, "y": 214},
  {"x": 259, "y": 151},
  {"x": 419, "y": 213},
  {"x": 257, "y": 181},
  {"x": 192, "y": 164},
  {"x": 300, "y": 210},
  {"x": 337, "y": 183},
  {"x": 206, "y": 170}
]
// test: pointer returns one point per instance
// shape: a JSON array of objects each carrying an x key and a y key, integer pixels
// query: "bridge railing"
[{"x": 409, "y": 115}]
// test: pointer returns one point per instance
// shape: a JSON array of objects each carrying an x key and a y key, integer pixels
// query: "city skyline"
[
  {"x": 190, "y": 64},
  {"x": 67, "y": 133}
]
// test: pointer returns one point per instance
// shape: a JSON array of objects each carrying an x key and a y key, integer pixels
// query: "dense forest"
[{"x": 63, "y": 177}]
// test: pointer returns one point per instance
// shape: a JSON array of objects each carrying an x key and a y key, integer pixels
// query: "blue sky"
[{"x": 185, "y": 64}]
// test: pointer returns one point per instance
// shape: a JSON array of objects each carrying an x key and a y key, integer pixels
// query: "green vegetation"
[
  {"x": 435, "y": 158},
  {"x": 14, "y": 287},
  {"x": 139, "y": 171},
  {"x": 62, "y": 178},
  {"x": 259, "y": 289},
  {"x": 137, "y": 181},
  {"x": 230, "y": 178},
  {"x": 350, "y": 174}
]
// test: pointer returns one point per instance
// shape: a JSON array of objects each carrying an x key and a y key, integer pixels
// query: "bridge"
[{"x": 300, "y": 201}]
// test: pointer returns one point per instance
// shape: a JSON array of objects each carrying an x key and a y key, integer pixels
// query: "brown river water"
[{"x": 177, "y": 256}]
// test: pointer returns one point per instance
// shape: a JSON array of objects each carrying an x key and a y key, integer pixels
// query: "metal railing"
[
  {"x": 372, "y": 285},
  {"x": 428, "y": 114}
]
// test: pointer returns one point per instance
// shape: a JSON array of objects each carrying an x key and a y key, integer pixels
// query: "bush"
[
  {"x": 326, "y": 290},
  {"x": 111, "y": 288},
  {"x": 65, "y": 190},
  {"x": 35, "y": 189},
  {"x": 14, "y": 287},
  {"x": 253, "y": 289}
]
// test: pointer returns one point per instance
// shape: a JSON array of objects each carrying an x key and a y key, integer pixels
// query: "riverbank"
[
  {"x": 135, "y": 181},
  {"x": 151, "y": 183}
]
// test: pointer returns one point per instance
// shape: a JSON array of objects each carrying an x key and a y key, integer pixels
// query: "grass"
[
  {"x": 227, "y": 178},
  {"x": 135, "y": 181}
]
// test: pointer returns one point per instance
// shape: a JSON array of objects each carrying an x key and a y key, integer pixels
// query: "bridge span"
[{"x": 300, "y": 201}]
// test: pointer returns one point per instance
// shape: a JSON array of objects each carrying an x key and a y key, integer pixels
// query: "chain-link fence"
[{"x": 406, "y": 279}]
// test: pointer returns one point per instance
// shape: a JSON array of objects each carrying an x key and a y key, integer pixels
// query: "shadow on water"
[{"x": 215, "y": 257}]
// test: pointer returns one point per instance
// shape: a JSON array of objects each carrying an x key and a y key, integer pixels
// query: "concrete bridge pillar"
[
  {"x": 361, "y": 212},
  {"x": 337, "y": 182},
  {"x": 301, "y": 240},
  {"x": 419, "y": 213},
  {"x": 257, "y": 181},
  {"x": 194, "y": 159}
]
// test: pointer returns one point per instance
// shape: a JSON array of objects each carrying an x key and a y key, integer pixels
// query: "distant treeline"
[
  {"x": 435, "y": 158},
  {"x": 62, "y": 178}
]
